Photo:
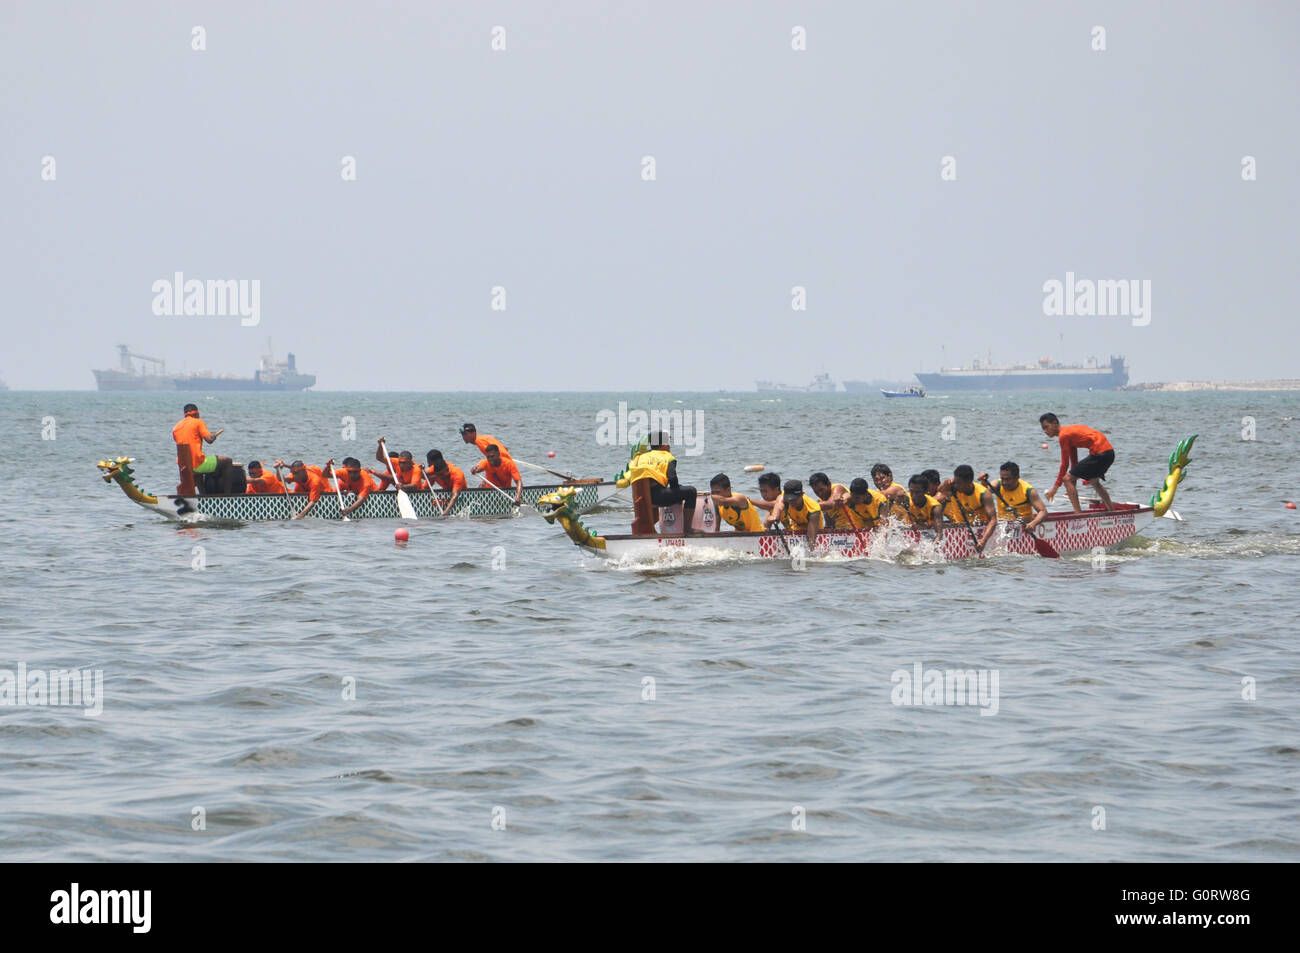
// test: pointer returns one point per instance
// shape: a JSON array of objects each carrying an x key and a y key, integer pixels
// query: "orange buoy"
[
  {"x": 401, "y": 534},
  {"x": 1290, "y": 505},
  {"x": 754, "y": 468}
]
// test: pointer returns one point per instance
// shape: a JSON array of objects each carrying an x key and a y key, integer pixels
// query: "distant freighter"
[
  {"x": 1045, "y": 375},
  {"x": 821, "y": 384},
  {"x": 152, "y": 375}
]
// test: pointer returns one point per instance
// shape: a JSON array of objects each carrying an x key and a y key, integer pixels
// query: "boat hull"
[{"x": 1065, "y": 532}]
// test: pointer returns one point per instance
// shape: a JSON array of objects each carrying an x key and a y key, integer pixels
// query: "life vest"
[
  {"x": 798, "y": 519},
  {"x": 868, "y": 513},
  {"x": 914, "y": 514},
  {"x": 1011, "y": 501},
  {"x": 745, "y": 521},
  {"x": 973, "y": 503},
  {"x": 652, "y": 464}
]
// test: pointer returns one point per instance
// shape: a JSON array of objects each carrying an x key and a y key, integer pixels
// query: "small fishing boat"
[
  {"x": 913, "y": 391},
  {"x": 473, "y": 503},
  {"x": 1062, "y": 532}
]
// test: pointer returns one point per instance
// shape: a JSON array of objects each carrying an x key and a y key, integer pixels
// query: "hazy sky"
[{"x": 523, "y": 169}]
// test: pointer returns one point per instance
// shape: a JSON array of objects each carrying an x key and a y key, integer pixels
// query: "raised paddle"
[
  {"x": 555, "y": 473},
  {"x": 339, "y": 492},
  {"x": 404, "y": 504}
]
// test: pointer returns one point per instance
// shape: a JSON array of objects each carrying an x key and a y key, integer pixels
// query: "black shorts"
[
  {"x": 670, "y": 496},
  {"x": 1094, "y": 465}
]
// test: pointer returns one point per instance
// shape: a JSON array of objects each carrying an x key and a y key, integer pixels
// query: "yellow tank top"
[
  {"x": 798, "y": 519},
  {"x": 919, "y": 514},
  {"x": 867, "y": 513},
  {"x": 973, "y": 502},
  {"x": 1014, "y": 504},
  {"x": 653, "y": 465},
  {"x": 745, "y": 521}
]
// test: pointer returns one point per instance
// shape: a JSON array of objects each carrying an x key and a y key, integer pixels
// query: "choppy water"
[{"x": 519, "y": 690}]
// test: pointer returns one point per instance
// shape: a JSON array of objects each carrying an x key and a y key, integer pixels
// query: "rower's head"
[
  {"x": 793, "y": 493},
  {"x": 404, "y": 460},
  {"x": 821, "y": 485},
  {"x": 858, "y": 490},
  {"x": 882, "y": 476},
  {"x": 468, "y": 433},
  {"x": 916, "y": 488},
  {"x": 299, "y": 471},
  {"x": 720, "y": 484},
  {"x": 963, "y": 479},
  {"x": 353, "y": 466},
  {"x": 1010, "y": 475},
  {"x": 1050, "y": 423},
  {"x": 659, "y": 441},
  {"x": 254, "y": 469},
  {"x": 932, "y": 480},
  {"x": 435, "y": 460},
  {"x": 493, "y": 453},
  {"x": 769, "y": 486},
  {"x": 191, "y": 410}
]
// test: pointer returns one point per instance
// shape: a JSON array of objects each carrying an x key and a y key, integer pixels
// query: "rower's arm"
[
  {"x": 307, "y": 509},
  {"x": 814, "y": 527},
  {"x": 1040, "y": 510},
  {"x": 778, "y": 511}
]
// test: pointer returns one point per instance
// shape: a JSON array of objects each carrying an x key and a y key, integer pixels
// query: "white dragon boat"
[
  {"x": 1064, "y": 532},
  {"x": 473, "y": 503}
]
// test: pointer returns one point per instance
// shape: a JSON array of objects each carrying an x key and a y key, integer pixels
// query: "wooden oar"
[
  {"x": 776, "y": 528},
  {"x": 288, "y": 504},
  {"x": 501, "y": 491},
  {"x": 966, "y": 519},
  {"x": 563, "y": 476},
  {"x": 335, "y": 475},
  {"x": 433, "y": 496},
  {"x": 404, "y": 505}
]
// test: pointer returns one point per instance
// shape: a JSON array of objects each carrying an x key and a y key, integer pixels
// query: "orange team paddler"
[
  {"x": 262, "y": 481},
  {"x": 446, "y": 475},
  {"x": 309, "y": 480},
  {"x": 1092, "y": 468},
  {"x": 500, "y": 472},
  {"x": 409, "y": 474},
  {"x": 352, "y": 478},
  {"x": 469, "y": 433},
  {"x": 192, "y": 432}
]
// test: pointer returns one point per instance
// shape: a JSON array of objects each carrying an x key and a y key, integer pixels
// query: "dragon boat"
[
  {"x": 1095, "y": 528},
  {"x": 473, "y": 503}
]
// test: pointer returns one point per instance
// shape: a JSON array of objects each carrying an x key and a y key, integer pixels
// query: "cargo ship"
[
  {"x": 149, "y": 374},
  {"x": 1045, "y": 374},
  {"x": 270, "y": 375},
  {"x": 821, "y": 384}
]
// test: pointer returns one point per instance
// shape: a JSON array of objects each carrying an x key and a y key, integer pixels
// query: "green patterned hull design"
[{"x": 473, "y": 503}]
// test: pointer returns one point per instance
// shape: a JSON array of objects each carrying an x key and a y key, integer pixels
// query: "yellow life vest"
[
  {"x": 973, "y": 502},
  {"x": 919, "y": 514},
  {"x": 653, "y": 465},
  {"x": 833, "y": 516},
  {"x": 866, "y": 514},
  {"x": 1014, "y": 504},
  {"x": 798, "y": 519},
  {"x": 745, "y": 521}
]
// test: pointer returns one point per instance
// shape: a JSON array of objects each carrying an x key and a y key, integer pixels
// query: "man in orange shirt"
[
  {"x": 353, "y": 479},
  {"x": 260, "y": 481},
  {"x": 192, "y": 432},
  {"x": 409, "y": 474},
  {"x": 1092, "y": 468},
  {"x": 309, "y": 480},
  {"x": 470, "y": 434},
  {"x": 448, "y": 476},
  {"x": 500, "y": 472}
]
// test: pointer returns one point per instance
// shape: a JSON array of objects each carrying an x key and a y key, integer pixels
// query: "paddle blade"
[
  {"x": 1044, "y": 548},
  {"x": 405, "y": 506}
]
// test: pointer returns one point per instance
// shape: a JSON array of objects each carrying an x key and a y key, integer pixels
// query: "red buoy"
[
  {"x": 1290, "y": 505},
  {"x": 550, "y": 453},
  {"x": 401, "y": 534},
  {"x": 1044, "y": 447}
]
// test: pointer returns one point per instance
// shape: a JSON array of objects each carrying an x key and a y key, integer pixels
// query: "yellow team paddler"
[
  {"x": 798, "y": 511},
  {"x": 970, "y": 504},
  {"x": 1016, "y": 498},
  {"x": 866, "y": 506},
  {"x": 736, "y": 509},
  {"x": 833, "y": 498}
]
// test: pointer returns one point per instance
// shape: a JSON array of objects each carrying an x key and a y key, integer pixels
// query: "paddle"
[
  {"x": 288, "y": 504},
  {"x": 404, "y": 505},
  {"x": 502, "y": 492},
  {"x": 1041, "y": 546},
  {"x": 433, "y": 494},
  {"x": 555, "y": 473},
  {"x": 966, "y": 519},
  {"x": 330, "y": 464},
  {"x": 776, "y": 528}
]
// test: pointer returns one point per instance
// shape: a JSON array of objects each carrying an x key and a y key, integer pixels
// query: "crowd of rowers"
[
  {"x": 496, "y": 470},
  {"x": 928, "y": 502}
]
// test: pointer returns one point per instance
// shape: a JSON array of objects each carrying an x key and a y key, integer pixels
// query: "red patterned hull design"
[{"x": 1065, "y": 532}]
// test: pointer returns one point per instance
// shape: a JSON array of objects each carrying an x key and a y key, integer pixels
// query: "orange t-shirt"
[
  {"x": 1072, "y": 438},
  {"x": 317, "y": 484},
  {"x": 191, "y": 432},
  {"x": 503, "y": 475},
  {"x": 453, "y": 479},
  {"x": 483, "y": 441},
  {"x": 273, "y": 484},
  {"x": 362, "y": 486}
]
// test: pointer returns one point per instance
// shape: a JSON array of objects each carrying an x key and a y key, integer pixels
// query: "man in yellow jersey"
[
  {"x": 883, "y": 477},
  {"x": 866, "y": 506},
  {"x": 833, "y": 498},
  {"x": 798, "y": 511},
  {"x": 659, "y": 466},
  {"x": 769, "y": 492},
  {"x": 970, "y": 505},
  {"x": 923, "y": 511},
  {"x": 734, "y": 508},
  {"x": 1017, "y": 498}
]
